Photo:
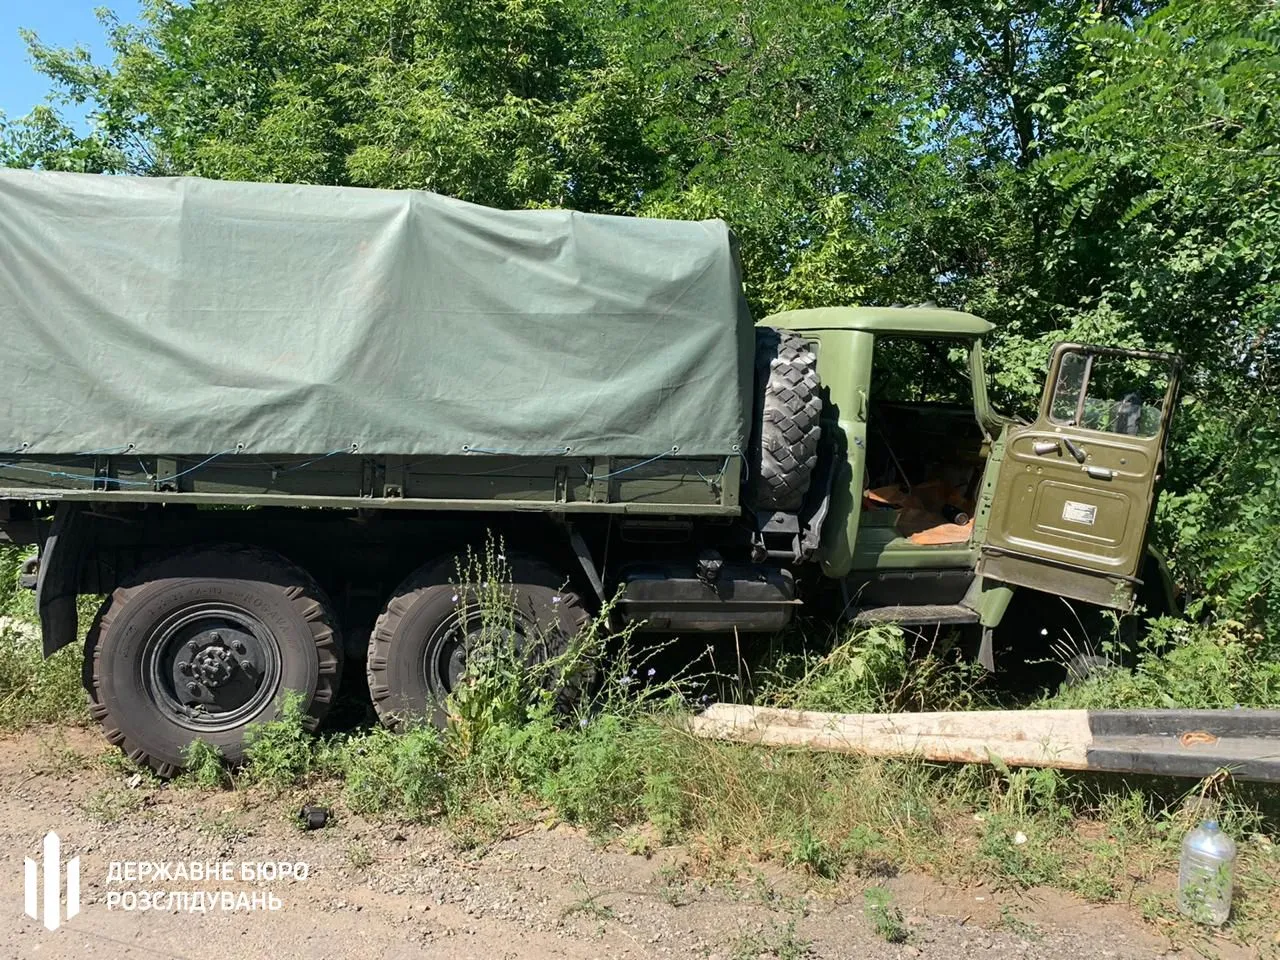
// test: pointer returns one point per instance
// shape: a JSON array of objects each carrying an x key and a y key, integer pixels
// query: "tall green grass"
[
  {"x": 1186, "y": 664},
  {"x": 15, "y": 603},
  {"x": 624, "y": 760},
  {"x": 32, "y": 690},
  {"x": 628, "y": 764}
]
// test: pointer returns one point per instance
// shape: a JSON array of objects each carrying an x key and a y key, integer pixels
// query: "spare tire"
[{"x": 787, "y": 431}]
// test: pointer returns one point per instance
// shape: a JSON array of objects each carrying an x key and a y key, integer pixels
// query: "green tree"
[
  {"x": 1168, "y": 172},
  {"x": 507, "y": 102}
]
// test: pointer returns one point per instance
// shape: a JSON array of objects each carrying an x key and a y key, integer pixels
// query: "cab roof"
[{"x": 921, "y": 321}]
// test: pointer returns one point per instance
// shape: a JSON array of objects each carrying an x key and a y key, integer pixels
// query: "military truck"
[{"x": 262, "y": 420}]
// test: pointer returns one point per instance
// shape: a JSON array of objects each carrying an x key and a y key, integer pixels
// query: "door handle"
[
  {"x": 1041, "y": 447},
  {"x": 1100, "y": 473},
  {"x": 1074, "y": 449}
]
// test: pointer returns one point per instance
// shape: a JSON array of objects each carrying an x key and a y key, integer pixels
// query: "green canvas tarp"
[{"x": 186, "y": 316}]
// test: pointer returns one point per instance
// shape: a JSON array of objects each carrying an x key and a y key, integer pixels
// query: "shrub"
[
  {"x": 1183, "y": 664},
  {"x": 34, "y": 690},
  {"x": 206, "y": 767},
  {"x": 394, "y": 773},
  {"x": 281, "y": 751}
]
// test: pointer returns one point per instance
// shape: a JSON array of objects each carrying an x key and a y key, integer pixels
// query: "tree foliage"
[
  {"x": 1105, "y": 170},
  {"x": 511, "y": 104},
  {"x": 1165, "y": 175}
]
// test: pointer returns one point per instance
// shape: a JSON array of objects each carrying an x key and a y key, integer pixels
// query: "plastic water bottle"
[{"x": 1205, "y": 874}]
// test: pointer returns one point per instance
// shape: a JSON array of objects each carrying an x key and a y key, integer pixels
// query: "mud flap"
[
  {"x": 58, "y": 582},
  {"x": 986, "y": 650}
]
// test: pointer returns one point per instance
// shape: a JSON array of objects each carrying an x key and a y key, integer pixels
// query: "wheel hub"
[
  {"x": 461, "y": 642},
  {"x": 213, "y": 665}
]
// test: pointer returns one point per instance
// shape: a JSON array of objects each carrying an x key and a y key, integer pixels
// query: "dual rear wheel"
[
  {"x": 419, "y": 646},
  {"x": 207, "y": 643}
]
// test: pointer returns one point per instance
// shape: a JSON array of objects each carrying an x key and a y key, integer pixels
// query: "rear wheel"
[
  {"x": 420, "y": 646},
  {"x": 203, "y": 644}
]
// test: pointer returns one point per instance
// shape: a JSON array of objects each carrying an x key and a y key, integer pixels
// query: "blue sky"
[{"x": 62, "y": 23}]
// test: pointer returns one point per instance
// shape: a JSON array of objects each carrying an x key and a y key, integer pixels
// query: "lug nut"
[
  {"x": 216, "y": 637},
  {"x": 184, "y": 668},
  {"x": 238, "y": 646},
  {"x": 193, "y": 689}
]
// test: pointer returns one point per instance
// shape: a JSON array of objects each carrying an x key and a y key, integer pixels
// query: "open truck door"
[{"x": 1077, "y": 487}]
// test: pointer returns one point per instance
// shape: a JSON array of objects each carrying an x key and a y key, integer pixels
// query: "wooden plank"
[
  {"x": 1180, "y": 743},
  {"x": 675, "y": 485},
  {"x": 1248, "y": 758},
  {"x": 1051, "y": 738},
  {"x": 352, "y": 503}
]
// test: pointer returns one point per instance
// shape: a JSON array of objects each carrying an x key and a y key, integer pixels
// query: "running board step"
[{"x": 917, "y": 614}]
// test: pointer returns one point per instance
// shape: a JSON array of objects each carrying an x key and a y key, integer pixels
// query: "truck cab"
[{"x": 941, "y": 508}]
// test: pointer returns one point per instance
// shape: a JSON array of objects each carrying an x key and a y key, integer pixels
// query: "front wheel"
[{"x": 203, "y": 644}]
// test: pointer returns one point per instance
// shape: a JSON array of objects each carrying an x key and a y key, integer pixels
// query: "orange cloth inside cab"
[{"x": 920, "y": 515}]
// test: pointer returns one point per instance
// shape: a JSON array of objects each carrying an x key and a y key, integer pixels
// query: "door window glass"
[
  {"x": 1067, "y": 389},
  {"x": 1111, "y": 393}
]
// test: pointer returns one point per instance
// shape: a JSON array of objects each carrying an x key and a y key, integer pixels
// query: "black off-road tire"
[
  {"x": 1095, "y": 644},
  {"x": 279, "y": 596},
  {"x": 407, "y": 679},
  {"x": 788, "y": 430}
]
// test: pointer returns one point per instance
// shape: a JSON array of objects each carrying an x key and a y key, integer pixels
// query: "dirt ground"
[{"x": 403, "y": 892}]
